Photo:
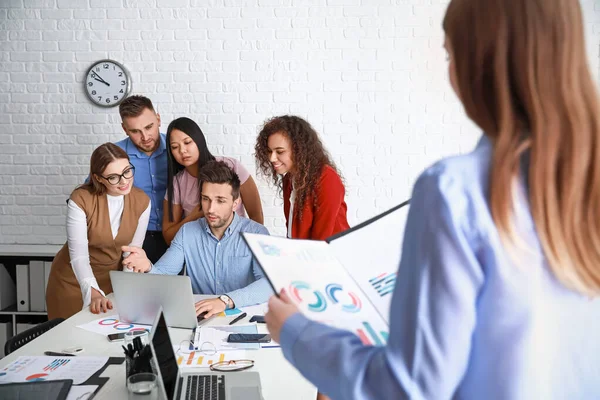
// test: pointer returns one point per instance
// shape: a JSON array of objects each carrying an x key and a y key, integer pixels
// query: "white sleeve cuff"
[{"x": 86, "y": 290}]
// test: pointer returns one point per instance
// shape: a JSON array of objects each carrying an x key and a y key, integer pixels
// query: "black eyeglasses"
[{"x": 115, "y": 179}]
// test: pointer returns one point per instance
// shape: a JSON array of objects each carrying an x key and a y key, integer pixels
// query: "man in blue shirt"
[
  {"x": 217, "y": 258},
  {"x": 147, "y": 151}
]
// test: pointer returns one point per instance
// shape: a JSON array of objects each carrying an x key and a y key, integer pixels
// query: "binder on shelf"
[
  {"x": 22, "y": 287},
  {"x": 5, "y": 334},
  {"x": 8, "y": 291},
  {"x": 47, "y": 266},
  {"x": 37, "y": 290}
]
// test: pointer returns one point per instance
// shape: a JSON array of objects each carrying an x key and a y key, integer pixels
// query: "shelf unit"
[{"x": 11, "y": 256}]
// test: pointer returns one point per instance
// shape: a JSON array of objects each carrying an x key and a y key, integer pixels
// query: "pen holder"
[{"x": 137, "y": 353}]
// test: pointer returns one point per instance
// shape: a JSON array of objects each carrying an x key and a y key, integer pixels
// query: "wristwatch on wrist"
[{"x": 225, "y": 299}]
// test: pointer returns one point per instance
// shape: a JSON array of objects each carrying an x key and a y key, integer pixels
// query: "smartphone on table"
[
  {"x": 249, "y": 338},
  {"x": 259, "y": 319},
  {"x": 115, "y": 337}
]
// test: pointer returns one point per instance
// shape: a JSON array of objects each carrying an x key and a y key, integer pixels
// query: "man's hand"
[
  {"x": 99, "y": 303},
  {"x": 136, "y": 260},
  {"x": 211, "y": 306},
  {"x": 280, "y": 309}
]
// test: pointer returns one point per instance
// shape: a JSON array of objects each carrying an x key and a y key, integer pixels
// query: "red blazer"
[{"x": 328, "y": 217}]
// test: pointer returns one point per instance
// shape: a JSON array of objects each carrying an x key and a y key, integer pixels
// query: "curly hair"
[{"x": 308, "y": 155}]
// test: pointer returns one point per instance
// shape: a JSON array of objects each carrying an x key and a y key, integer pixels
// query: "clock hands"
[
  {"x": 107, "y": 84},
  {"x": 96, "y": 76}
]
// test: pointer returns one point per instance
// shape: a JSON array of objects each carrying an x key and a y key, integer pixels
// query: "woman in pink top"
[{"x": 187, "y": 153}]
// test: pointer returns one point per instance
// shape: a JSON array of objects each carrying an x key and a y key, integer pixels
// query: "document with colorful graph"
[
  {"x": 198, "y": 359},
  {"x": 112, "y": 324},
  {"x": 45, "y": 368},
  {"x": 319, "y": 284},
  {"x": 371, "y": 251}
]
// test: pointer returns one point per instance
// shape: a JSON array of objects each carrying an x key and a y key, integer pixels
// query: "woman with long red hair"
[{"x": 497, "y": 295}]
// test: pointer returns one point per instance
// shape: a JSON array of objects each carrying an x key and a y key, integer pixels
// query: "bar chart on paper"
[
  {"x": 370, "y": 337},
  {"x": 198, "y": 359},
  {"x": 384, "y": 283}
]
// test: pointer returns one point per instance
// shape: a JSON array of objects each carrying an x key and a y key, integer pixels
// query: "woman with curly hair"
[{"x": 289, "y": 151}]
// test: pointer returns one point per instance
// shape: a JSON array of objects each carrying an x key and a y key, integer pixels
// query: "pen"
[
  {"x": 236, "y": 319},
  {"x": 57, "y": 354}
]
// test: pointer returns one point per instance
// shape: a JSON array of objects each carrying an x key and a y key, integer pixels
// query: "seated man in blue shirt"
[
  {"x": 217, "y": 258},
  {"x": 147, "y": 151}
]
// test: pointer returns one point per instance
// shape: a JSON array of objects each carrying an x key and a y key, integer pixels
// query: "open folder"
[{"x": 347, "y": 281}]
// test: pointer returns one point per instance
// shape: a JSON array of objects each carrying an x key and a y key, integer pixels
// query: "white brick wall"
[{"x": 370, "y": 76}]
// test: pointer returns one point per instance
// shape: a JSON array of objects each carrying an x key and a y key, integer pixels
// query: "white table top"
[{"x": 279, "y": 379}]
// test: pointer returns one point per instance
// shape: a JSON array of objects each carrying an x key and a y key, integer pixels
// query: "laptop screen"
[{"x": 165, "y": 356}]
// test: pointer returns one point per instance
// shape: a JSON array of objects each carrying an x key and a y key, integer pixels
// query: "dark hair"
[
  {"x": 219, "y": 172},
  {"x": 308, "y": 155},
  {"x": 134, "y": 106},
  {"x": 190, "y": 128},
  {"x": 101, "y": 157}
]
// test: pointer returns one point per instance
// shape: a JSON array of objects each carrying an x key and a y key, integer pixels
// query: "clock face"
[{"x": 107, "y": 83}]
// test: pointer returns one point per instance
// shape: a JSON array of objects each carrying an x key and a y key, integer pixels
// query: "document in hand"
[
  {"x": 370, "y": 252},
  {"x": 353, "y": 294}
]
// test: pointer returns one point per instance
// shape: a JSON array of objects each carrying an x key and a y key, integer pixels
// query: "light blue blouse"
[{"x": 468, "y": 319}]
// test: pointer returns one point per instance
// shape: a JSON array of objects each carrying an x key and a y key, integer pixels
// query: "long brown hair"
[
  {"x": 308, "y": 154},
  {"x": 522, "y": 76},
  {"x": 101, "y": 157}
]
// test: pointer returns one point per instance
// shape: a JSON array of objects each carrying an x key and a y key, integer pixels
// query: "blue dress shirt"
[
  {"x": 469, "y": 320},
  {"x": 215, "y": 266},
  {"x": 150, "y": 176}
]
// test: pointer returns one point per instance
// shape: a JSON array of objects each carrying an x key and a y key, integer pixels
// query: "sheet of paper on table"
[
  {"x": 82, "y": 392},
  {"x": 217, "y": 337},
  {"x": 258, "y": 309},
  {"x": 198, "y": 359},
  {"x": 111, "y": 324},
  {"x": 45, "y": 368}
]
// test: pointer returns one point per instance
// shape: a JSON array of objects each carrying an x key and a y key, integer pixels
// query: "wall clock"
[{"x": 107, "y": 83}]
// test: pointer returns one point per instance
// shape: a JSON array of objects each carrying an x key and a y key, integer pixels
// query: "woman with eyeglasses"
[{"x": 103, "y": 214}]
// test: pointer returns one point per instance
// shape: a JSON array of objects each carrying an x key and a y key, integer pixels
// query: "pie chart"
[{"x": 36, "y": 377}]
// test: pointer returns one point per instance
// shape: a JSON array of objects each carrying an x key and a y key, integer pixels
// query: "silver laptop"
[
  {"x": 174, "y": 384},
  {"x": 139, "y": 296}
]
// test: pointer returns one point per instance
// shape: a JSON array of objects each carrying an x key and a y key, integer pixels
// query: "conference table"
[{"x": 279, "y": 379}]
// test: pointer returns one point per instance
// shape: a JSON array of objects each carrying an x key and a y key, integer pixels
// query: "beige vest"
[{"x": 63, "y": 294}]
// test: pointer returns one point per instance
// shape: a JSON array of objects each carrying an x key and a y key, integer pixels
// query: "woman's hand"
[
  {"x": 280, "y": 309},
  {"x": 99, "y": 303},
  {"x": 136, "y": 261}
]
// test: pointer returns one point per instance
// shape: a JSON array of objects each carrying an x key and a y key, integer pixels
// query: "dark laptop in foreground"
[{"x": 174, "y": 384}]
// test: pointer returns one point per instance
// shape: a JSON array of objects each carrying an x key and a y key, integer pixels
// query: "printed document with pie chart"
[
  {"x": 45, "y": 368},
  {"x": 319, "y": 284}
]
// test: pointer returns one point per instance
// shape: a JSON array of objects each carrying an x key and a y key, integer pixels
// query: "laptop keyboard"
[{"x": 205, "y": 387}]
